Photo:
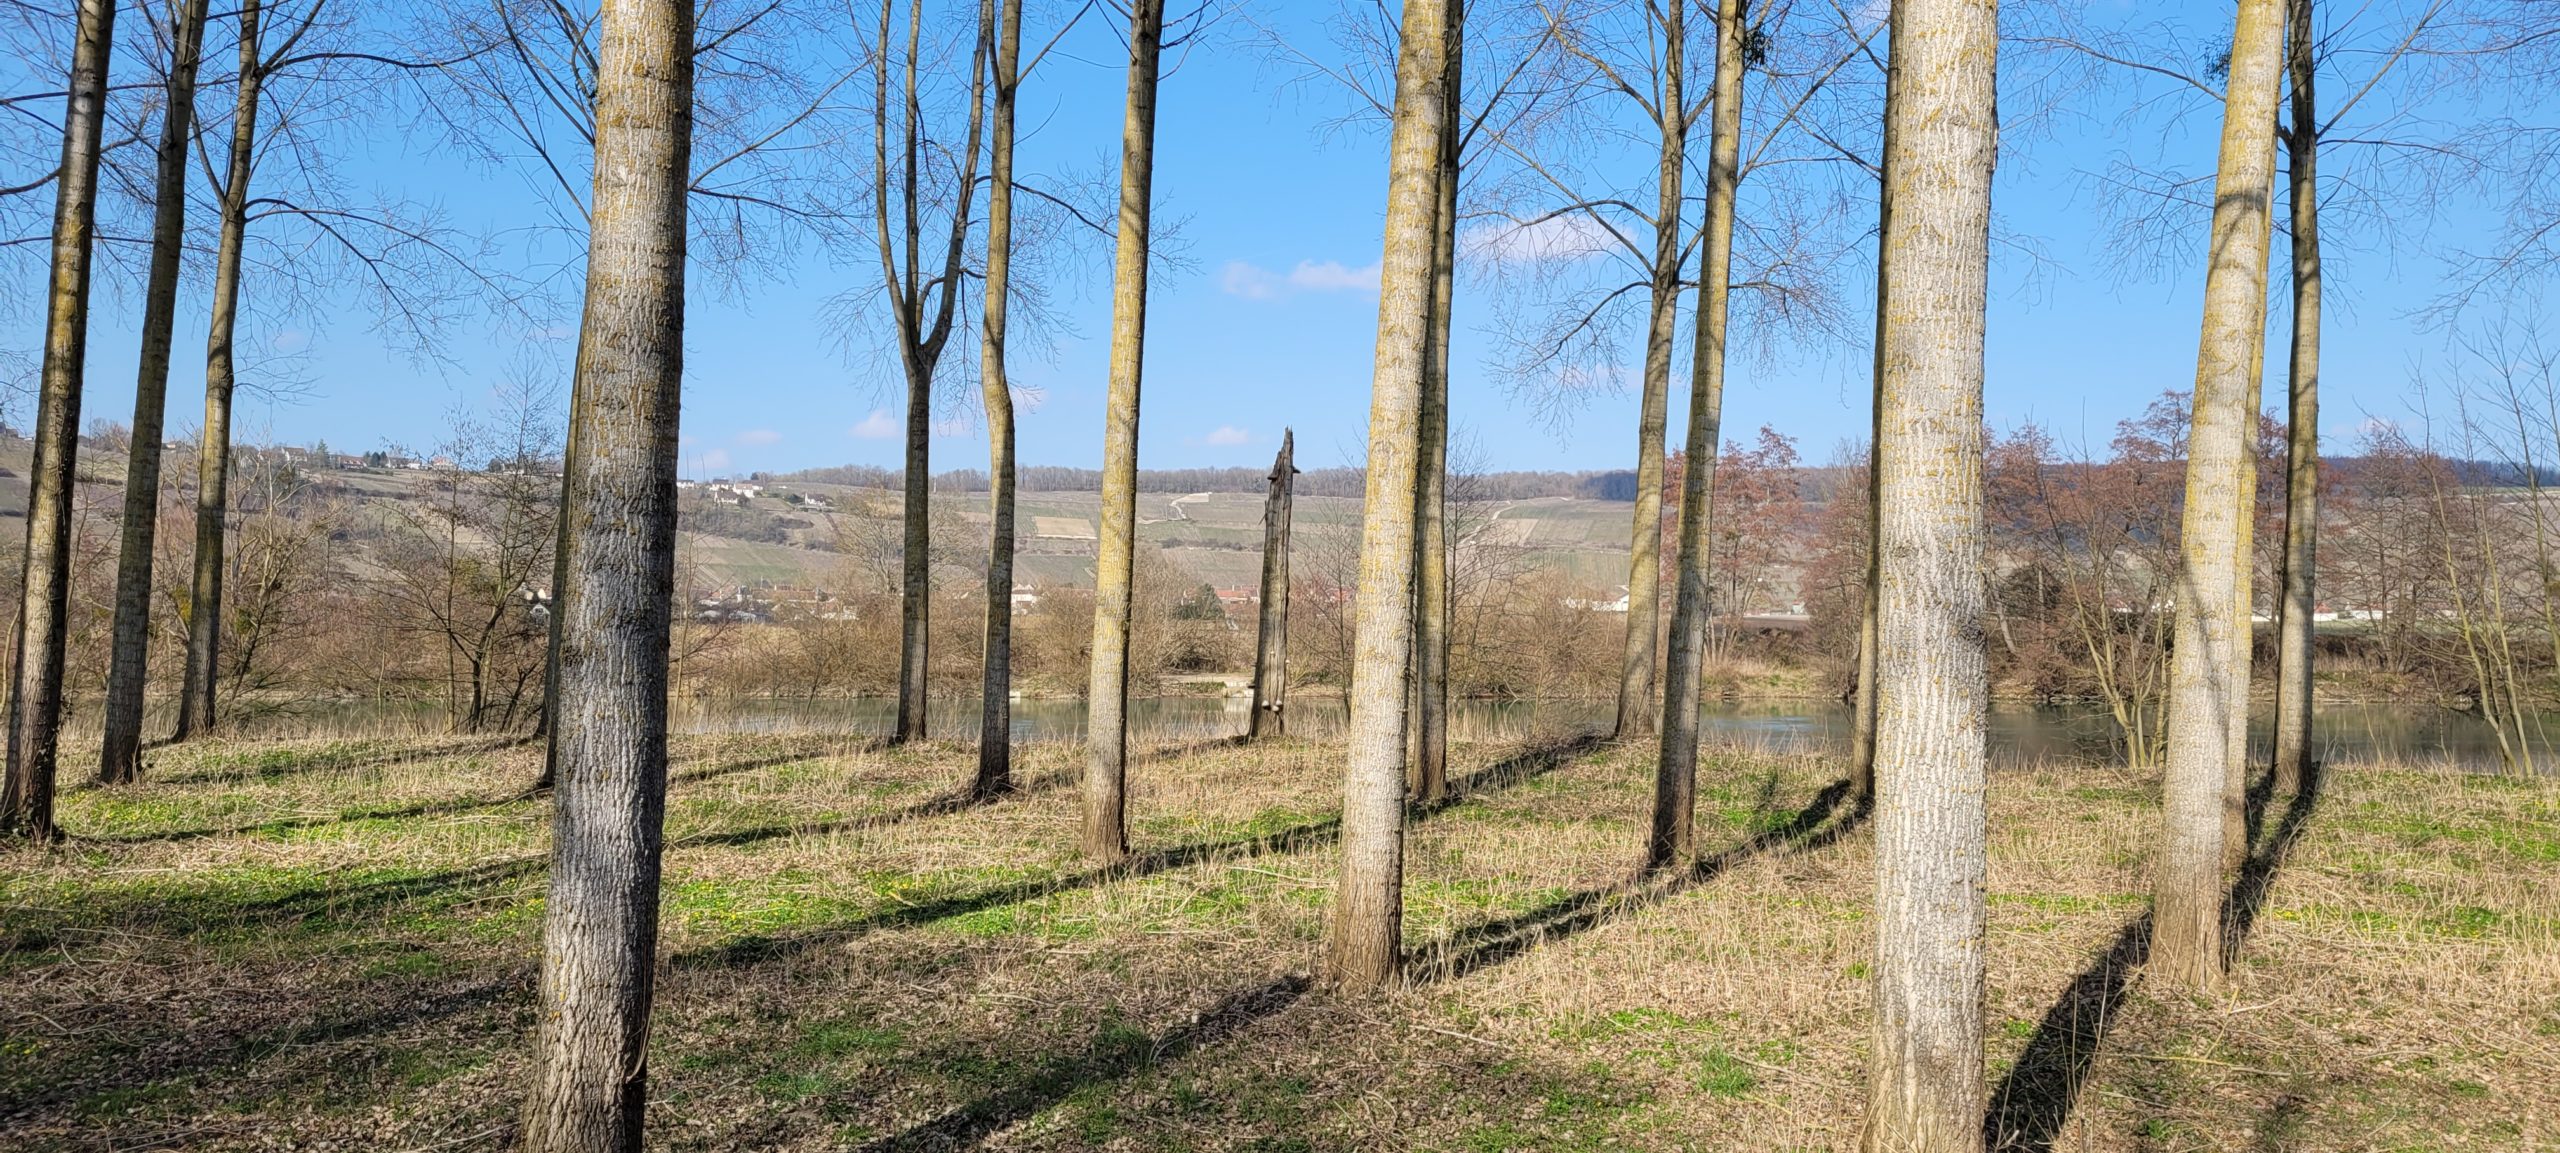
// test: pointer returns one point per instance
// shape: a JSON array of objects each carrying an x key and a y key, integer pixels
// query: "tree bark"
[
  {"x": 1366, "y": 947},
  {"x": 2187, "y": 886},
  {"x": 1270, "y": 716},
  {"x": 213, "y": 449},
  {"x": 120, "y": 757},
  {"x": 1862, "y": 720},
  {"x": 1675, "y": 781},
  {"x": 2294, "y": 651},
  {"x": 2235, "y": 781},
  {"x": 545, "y": 726},
  {"x": 600, "y": 922},
  {"x": 35, "y": 702},
  {"x": 1106, "y": 799},
  {"x": 1926, "y": 1087},
  {"x": 1644, "y": 547},
  {"x": 995, "y": 701},
  {"x": 1430, "y": 769}
]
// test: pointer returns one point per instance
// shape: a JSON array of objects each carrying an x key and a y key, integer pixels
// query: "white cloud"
[
  {"x": 878, "y": 426},
  {"x": 1248, "y": 281},
  {"x": 1331, "y": 276},
  {"x": 1558, "y": 238},
  {"x": 1229, "y": 434},
  {"x": 716, "y": 460},
  {"x": 759, "y": 436},
  {"x": 1254, "y": 282}
]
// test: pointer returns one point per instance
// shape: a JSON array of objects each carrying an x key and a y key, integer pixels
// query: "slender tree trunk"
[
  {"x": 1271, "y": 642},
  {"x": 600, "y": 921},
  {"x": 35, "y": 700},
  {"x": 1862, "y": 720},
  {"x": 2294, "y": 651},
  {"x": 1644, "y": 547},
  {"x": 1431, "y": 489},
  {"x": 120, "y": 758},
  {"x": 1675, "y": 782},
  {"x": 2187, "y": 887},
  {"x": 2235, "y": 782},
  {"x": 1926, "y": 1090},
  {"x": 915, "y": 558},
  {"x": 1106, "y": 796},
  {"x": 1366, "y": 948},
  {"x": 546, "y": 726},
  {"x": 995, "y": 702},
  {"x": 213, "y": 449}
]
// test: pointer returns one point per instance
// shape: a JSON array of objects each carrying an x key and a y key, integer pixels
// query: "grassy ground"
[{"x": 332, "y": 945}]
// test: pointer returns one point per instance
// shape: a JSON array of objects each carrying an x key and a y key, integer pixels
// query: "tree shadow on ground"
[
  {"x": 2029, "y": 1108},
  {"x": 330, "y": 759},
  {"x": 272, "y": 1040},
  {"x": 205, "y": 911},
  {"x": 1488, "y": 943},
  {"x": 1524, "y": 766},
  {"x": 443, "y": 808},
  {"x": 1113, "y": 1055}
]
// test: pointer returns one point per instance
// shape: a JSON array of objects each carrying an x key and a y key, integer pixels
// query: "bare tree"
[
  {"x": 213, "y": 453},
  {"x": 1430, "y": 763},
  {"x": 600, "y": 923},
  {"x": 120, "y": 758},
  {"x": 282, "y": 212},
  {"x": 922, "y": 277},
  {"x": 995, "y": 701},
  {"x": 1106, "y": 797},
  {"x": 2209, "y": 648},
  {"x": 35, "y": 698},
  {"x": 2297, "y": 585},
  {"x": 1676, "y": 765},
  {"x": 1271, "y": 639},
  {"x": 1925, "y": 1090},
  {"x": 1366, "y": 947}
]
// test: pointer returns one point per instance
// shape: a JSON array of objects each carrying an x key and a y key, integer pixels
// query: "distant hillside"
[{"x": 1618, "y": 484}]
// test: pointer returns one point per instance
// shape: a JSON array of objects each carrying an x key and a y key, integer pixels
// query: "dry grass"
[{"x": 322, "y": 944}]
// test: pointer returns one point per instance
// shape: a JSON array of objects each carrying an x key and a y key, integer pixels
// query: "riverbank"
[{"x": 313, "y": 943}]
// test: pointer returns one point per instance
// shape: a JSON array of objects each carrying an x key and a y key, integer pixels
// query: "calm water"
[{"x": 2344, "y": 734}]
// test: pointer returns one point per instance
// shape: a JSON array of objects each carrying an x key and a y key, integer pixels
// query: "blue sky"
[{"x": 1270, "y": 323}]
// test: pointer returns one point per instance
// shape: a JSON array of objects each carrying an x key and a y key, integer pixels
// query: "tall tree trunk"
[
  {"x": 1926, "y": 1090},
  {"x": 1271, "y": 641},
  {"x": 1106, "y": 780},
  {"x": 35, "y": 699},
  {"x": 1430, "y": 770},
  {"x": 915, "y": 559},
  {"x": 600, "y": 920},
  {"x": 1675, "y": 781},
  {"x": 995, "y": 701},
  {"x": 2294, "y": 652},
  {"x": 2187, "y": 887},
  {"x": 1862, "y": 719},
  {"x": 1366, "y": 949},
  {"x": 120, "y": 757},
  {"x": 1644, "y": 547},
  {"x": 213, "y": 448}
]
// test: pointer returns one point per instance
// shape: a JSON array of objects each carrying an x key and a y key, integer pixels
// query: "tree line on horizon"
[{"x": 662, "y": 135}]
